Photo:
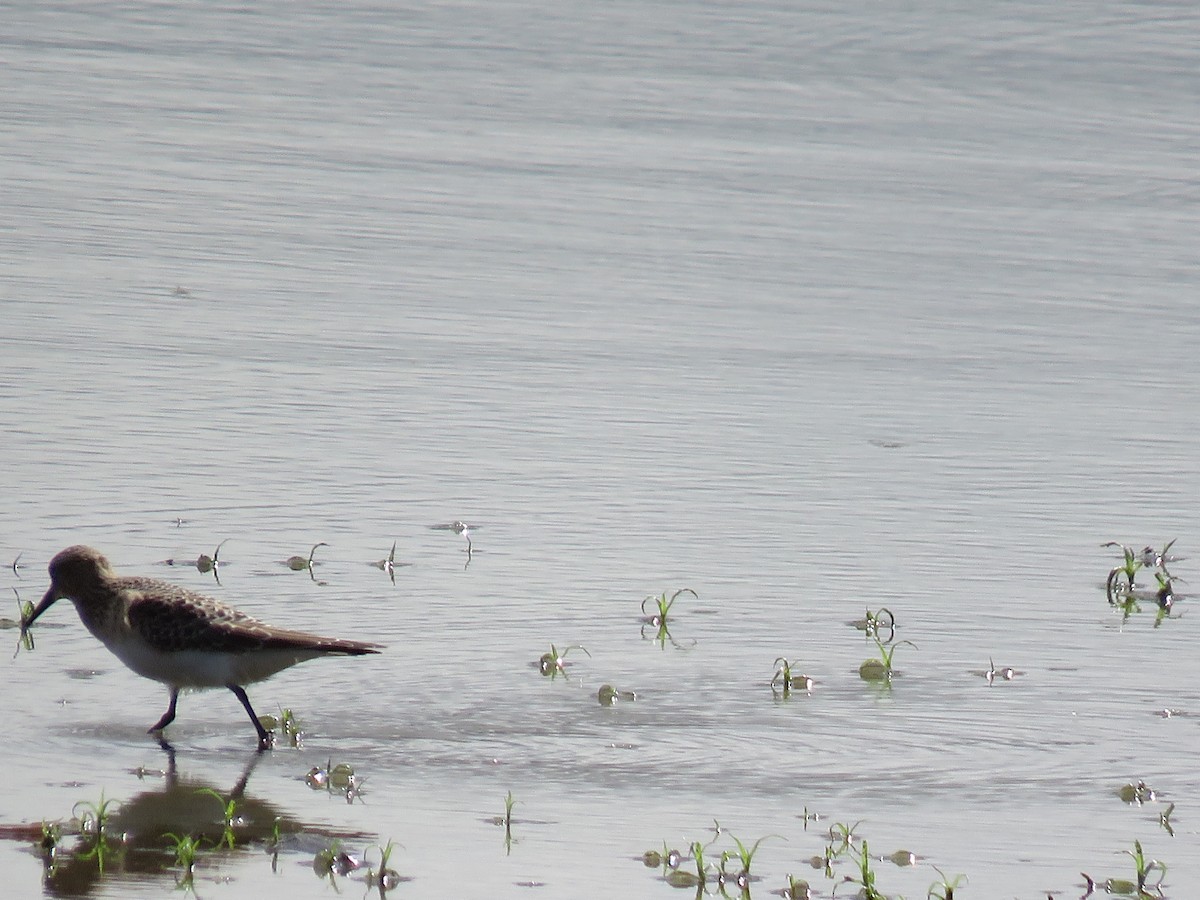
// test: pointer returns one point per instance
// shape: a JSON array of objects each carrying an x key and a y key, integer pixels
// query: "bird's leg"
[
  {"x": 265, "y": 739},
  {"x": 169, "y": 716}
]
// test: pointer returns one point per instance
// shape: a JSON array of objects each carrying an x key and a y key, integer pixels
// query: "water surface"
[{"x": 808, "y": 310}]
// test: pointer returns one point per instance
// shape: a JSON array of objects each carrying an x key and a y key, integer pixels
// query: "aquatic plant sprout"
[{"x": 554, "y": 663}]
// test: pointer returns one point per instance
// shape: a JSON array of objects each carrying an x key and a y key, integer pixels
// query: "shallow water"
[{"x": 810, "y": 312}]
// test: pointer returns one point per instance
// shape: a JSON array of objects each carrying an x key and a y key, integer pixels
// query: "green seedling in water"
[
  {"x": 1136, "y": 794},
  {"x": 93, "y": 827},
  {"x": 229, "y": 817},
  {"x": 881, "y": 669},
  {"x": 843, "y": 834},
  {"x": 1141, "y": 887},
  {"x": 94, "y": 817},
  {"x": 333, "y": 860},
  {"x": 1164, "y": 819},
  {"x": 206, "y": 563},
  {"x": 507, "y": 821},
  {"x": 1152, "y": 558},
  {"x": 185, "y": 848},
  {"x": 1004, "y": 673},
  {"x": 659, "y": 618},
  {"x": 874, "y": 624},
  {"x": 384, "y": 878},
  {"x": 388, "y": 565},
  {"x": 797, "y": 889},
  {"x": 274, "y": 843},
  {"x": 744, "y": 855},
  {"x": 24, "y": 614},
  {"x": 610, "y": 696},
  {"x": 1128, "y": 568},
  {"x": 1165, "y": 595},
  {"x": 702, "y": 865},
  {"x": 866, "y": 877},
  {"x": 341, "y": 776},
  {"x": 944, "y": 889},
  {"x": 555, "y": 663},
  {"x": 789, "y": 680},
  {"x": 1145, "y": 867},
  {"x": 668, "y": 859},
  {"x": 286, "y": 722},
  {"x": 509, "y": 802},
  {"x": 51, "y": 839},
  {"x": 301, "y": 563}
]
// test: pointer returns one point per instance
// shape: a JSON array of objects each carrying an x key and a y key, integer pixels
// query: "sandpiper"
[{"x": 177, "y": 636}]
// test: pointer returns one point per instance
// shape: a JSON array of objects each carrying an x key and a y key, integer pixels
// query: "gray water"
[{"x": 808, "y": 310}]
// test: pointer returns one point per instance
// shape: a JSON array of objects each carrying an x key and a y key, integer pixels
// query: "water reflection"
[{"x": 132, "y": 839}]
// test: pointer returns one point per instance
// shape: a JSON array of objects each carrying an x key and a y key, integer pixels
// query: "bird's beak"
[{"x": 47, "y": 602}]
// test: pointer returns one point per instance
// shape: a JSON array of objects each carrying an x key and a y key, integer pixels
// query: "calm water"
[{"x": 807, "y": 310}]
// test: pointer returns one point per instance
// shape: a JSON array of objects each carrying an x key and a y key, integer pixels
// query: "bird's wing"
[{"x": 191, "y": 622}]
